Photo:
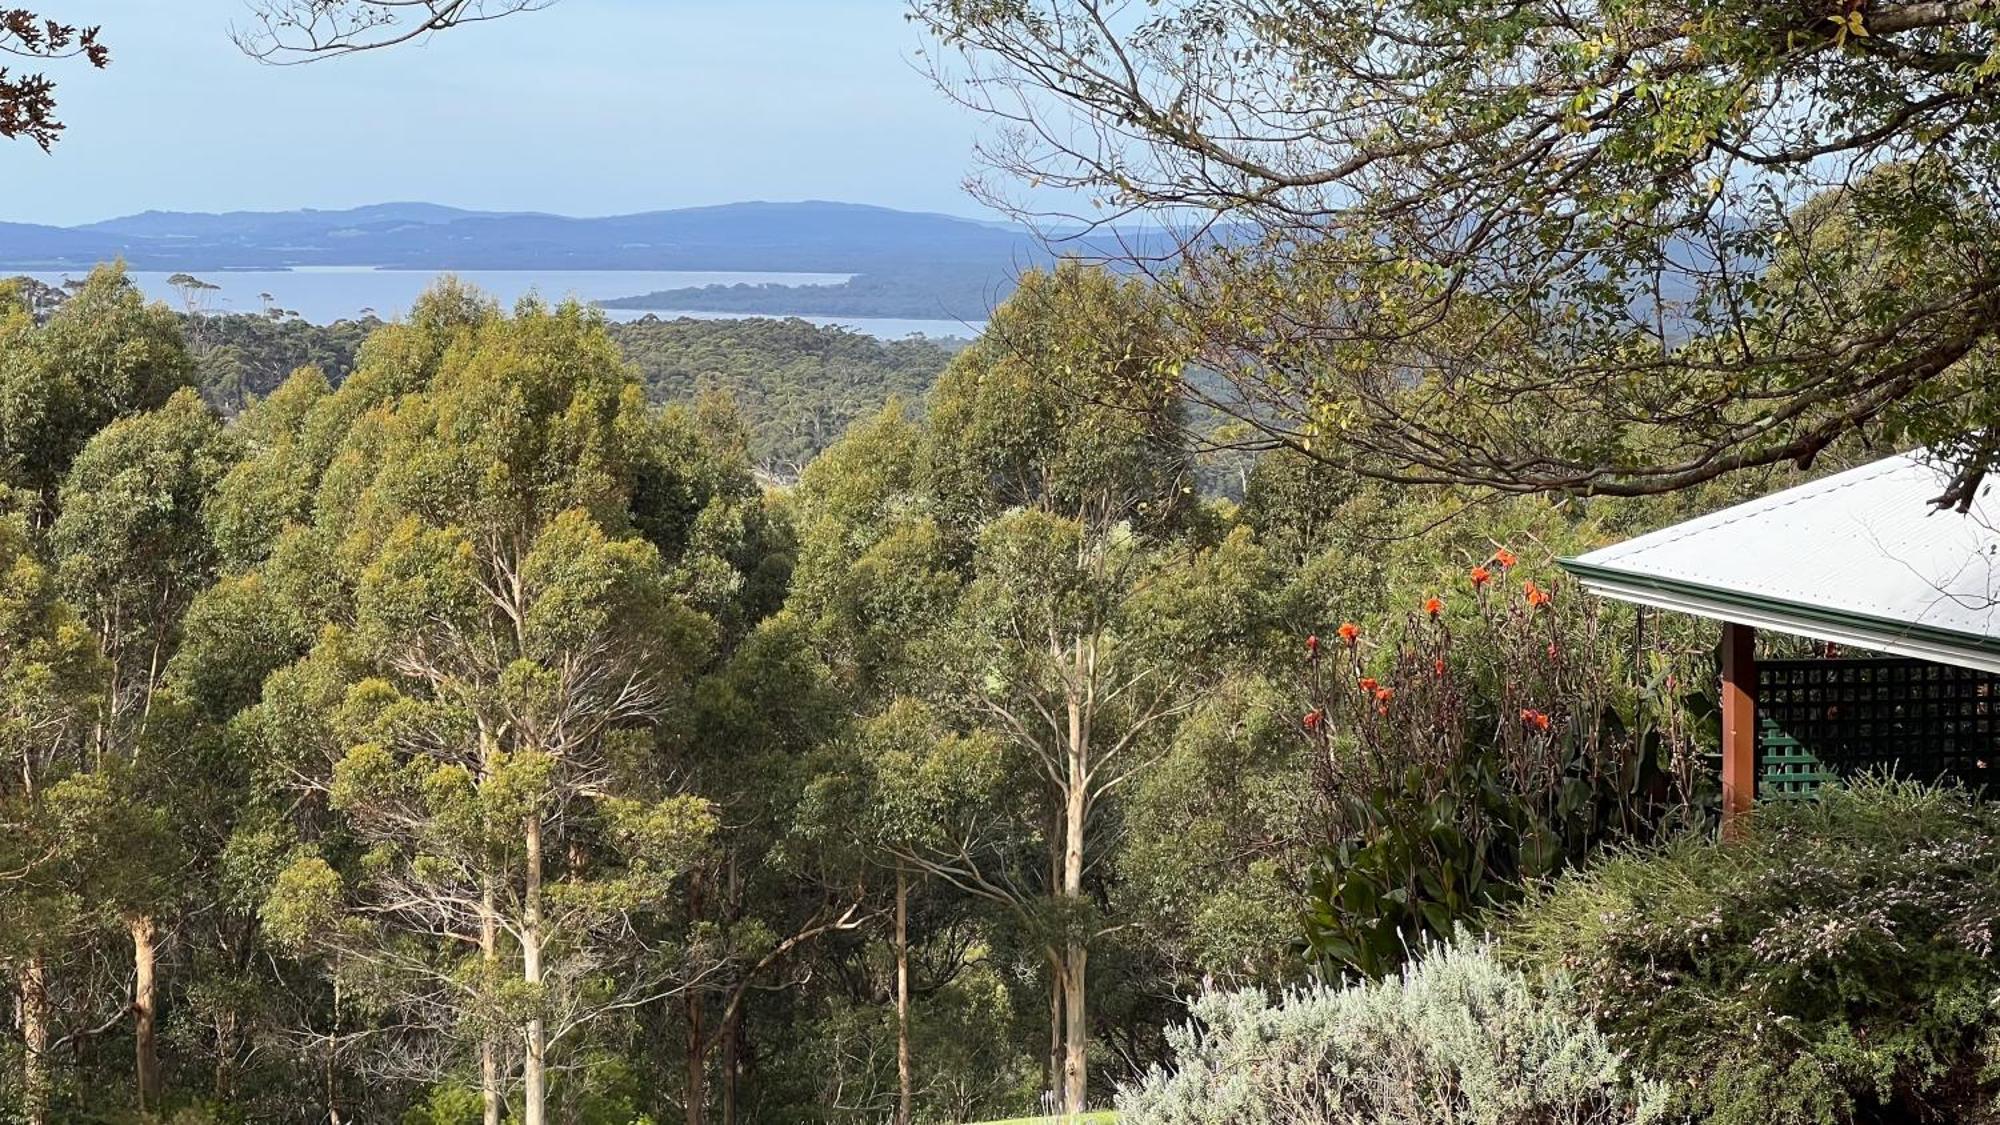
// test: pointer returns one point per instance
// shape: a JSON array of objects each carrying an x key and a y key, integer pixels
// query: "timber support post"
[{"x": 1739, "y": 724}]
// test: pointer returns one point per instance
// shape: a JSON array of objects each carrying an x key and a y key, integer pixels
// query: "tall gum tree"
[
  {"x": 132, "y": 553},
  {"x": 1024, "y": 598},
  {"x": 51, "y": 812},
  {"x": 502, "y": 642}
]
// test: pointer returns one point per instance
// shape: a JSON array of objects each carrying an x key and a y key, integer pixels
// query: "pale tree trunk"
[
  {"x": 489, "y": 1055},
  {"x": 35, "y": 1040},
  {"x": 534, "y": 1069},
  {"x": 145, "y": 1013},
  {"x": 903, "y": 1084},
  {"x": 491, "y": 1104},
  {"x": 1076, "y": 1028}
]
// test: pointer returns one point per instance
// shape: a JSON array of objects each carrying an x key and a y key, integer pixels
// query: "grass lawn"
[{"x": 1101, "y": 1117}]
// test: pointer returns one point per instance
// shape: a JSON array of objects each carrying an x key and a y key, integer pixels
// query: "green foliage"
[
  {"x": 798, "y": 386},
  {"x": 1066, "y": 402},
  {"x": 104, "y": 354},
  {"x": 1835, "y": 964},
  {"x": 1456, "y": 1038},
  {"x": 246, "y": 357}
]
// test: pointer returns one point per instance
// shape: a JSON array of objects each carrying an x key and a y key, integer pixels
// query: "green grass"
[{"x": 1101, "y": 1117}]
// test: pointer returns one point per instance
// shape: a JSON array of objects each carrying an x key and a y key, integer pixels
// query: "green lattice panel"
[
  {"x": 1786, "y": 771},
  {"x": 1823, "y": 719}
]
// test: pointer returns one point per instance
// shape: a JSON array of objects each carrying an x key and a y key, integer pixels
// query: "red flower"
[
  {"x": 1382, "y": 711},
  {"x": 1312, "y": 647},
  {"x": 1536, "y": 595},
  {"x": 1434, "y": 606},
  {"x": 1537, "y": 719},
  {"x": 1505, "y": 557},
  {"x": 1481, "y": 576},
  {"x": 1438, "y": 667},
  {"x": 1313, "y": 719},
  {"x": 1370, "y": 683},
  {"x": 1349, "y": 632},
  {"x": 1384, "y": 695}
]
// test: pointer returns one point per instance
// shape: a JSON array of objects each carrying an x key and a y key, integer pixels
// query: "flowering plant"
[{"x": 1483, "y": 742}]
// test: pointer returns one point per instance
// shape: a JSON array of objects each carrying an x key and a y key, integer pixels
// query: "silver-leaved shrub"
[{"x": 1457, "y": 1039}]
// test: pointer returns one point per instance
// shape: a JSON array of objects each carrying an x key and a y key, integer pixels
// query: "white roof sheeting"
[{"x": 1861, "y": 558}]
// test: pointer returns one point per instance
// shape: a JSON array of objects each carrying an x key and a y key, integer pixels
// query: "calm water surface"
[{"x": 323, "y": 294}]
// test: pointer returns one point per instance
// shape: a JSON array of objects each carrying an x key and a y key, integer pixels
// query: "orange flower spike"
[
  {"x": 1349, "y": 633},
  {"x": 1434, "y": 606},
  {"x": 1481, "y": 576},
  {"x": 1312, "y": 647},
  {"x": 1537, "y": 719},
  {"x": 1535, "y": 594},
  {"x": 1505, "y": 557},
  {"x": 1384, "y": 695},
  {"x": 1313, "y": 719},
  {"x": 1369, "y": 684},
  {"x": 1438, "y": 667}
]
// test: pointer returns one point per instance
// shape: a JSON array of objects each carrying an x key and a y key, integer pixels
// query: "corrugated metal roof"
[{"x": 1860, "y": 558}]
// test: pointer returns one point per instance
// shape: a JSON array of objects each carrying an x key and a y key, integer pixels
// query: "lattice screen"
[{"x": 1820, "y": 719}]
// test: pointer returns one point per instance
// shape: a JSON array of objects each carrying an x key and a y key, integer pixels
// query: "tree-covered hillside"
[{"x": 796, "y": 385}]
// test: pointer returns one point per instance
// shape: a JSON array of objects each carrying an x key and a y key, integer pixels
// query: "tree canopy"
[{"x": 1623, "y": 248}]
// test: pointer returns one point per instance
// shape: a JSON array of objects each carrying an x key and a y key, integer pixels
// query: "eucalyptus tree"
[
  {"x": 1623, "y": 247},
  {"x": 1024, "y": 596},
  {"x": 132, "y": 552},
  {"x": 468, "y": 532},
  {"x": 104, "y": 354},
  {"x": 50, "y": 675}
]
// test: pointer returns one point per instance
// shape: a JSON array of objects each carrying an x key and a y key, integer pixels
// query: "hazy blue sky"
[{"x": 591, "y": 107}]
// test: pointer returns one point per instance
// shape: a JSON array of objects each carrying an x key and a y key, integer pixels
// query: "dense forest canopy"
[{"x": 477, "y": 738}]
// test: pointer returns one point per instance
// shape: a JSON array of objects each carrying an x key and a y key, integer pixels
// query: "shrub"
[
  {"x": 1457, "y": 1038},
  {"x": 1835, "y": 964}
]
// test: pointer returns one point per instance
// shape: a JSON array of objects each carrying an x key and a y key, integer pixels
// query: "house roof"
[{"x": 1861, "y": 558}]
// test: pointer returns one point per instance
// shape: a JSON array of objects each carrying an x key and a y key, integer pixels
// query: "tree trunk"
[
  {"x": 1055, "y": 1060},
  {"x": 225, "y": 1056},
  {"x": 732, "y": 1037},
  {"x": 35, "y": 1040},
  {"x": 903, "y": 1085},
  {"x": 697, "y": 1072},
  {"x": 1076, "y": 1031},
  {"x": 534, "y": 1069},
  {"x": 1076, "y": 813},
  {"x": 145, "y": 1014},
  {"x": 491, "y": 1103}
]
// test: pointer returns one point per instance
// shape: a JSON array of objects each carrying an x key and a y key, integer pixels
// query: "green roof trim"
[{"x": 1784, "y": 614}]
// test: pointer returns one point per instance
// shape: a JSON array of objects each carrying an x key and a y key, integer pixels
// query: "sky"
[{"x": 591, "y": 107}]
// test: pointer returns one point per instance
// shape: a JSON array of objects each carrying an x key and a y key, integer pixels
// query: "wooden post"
[{"x": 1739, "y": 722}]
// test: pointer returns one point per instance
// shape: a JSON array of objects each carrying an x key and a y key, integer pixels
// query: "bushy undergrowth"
[
  {"x": 1836, "y": 964},
  {"x": 1457, "y": 1039}
]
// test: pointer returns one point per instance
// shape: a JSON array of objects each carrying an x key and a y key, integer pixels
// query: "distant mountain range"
[
  {"x": 815, "y": 237},
  {"x": 906, "y": 264}
]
